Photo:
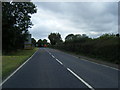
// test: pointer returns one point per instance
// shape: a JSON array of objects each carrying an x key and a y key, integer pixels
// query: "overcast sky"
[{"x": 91, "y": 18}]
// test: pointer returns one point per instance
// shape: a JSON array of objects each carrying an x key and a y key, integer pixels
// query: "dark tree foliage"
[
  {"x": 41, "y": 43},
  {"x": 78, "y": 38},
  {"x": 34, "y": 42},
  {"x": 106, "y": 47},
  {"x": 15, "y": 24},
  {"x": 118, "y": 35},
  {"x": 55, "y": 38},
  {"x": 69, "y": 37},
  {"x": 44, "y": 41}
]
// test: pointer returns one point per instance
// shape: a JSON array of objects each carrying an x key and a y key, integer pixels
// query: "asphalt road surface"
[{"x": 50, "y": 68}]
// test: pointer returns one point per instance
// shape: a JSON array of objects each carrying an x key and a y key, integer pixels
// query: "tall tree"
[
  {"x": 69, "y": 37},
  {"x": 33, "y": 41},
  {"x": 55, "y": 38},
  {"x": 15, "y": 23},
  {"x": 39, "y": 43},
  {"x": 44, "y": 41}
]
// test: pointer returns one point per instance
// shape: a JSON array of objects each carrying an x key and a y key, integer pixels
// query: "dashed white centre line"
[
  {"x": 56, "y": 59},
  {"x": 81, "y": 79},
  {"x": 59, "y": 62},
  {"x": 88, "y": 85},
  {"x": 52, "y": 56}
]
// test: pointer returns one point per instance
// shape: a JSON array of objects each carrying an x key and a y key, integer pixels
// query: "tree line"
[
  {"x": 40, "y": 43},
  {"x": 105, "y": 47},
  {"x": 55, "y": 38},
  {"x": 15, "y": 24}
]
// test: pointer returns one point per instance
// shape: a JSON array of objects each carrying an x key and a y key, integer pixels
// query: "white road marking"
[
  {"x": 47, "y": 51},
  {"x": 88, "y": 85},
  {"x": 59, "y": 61},
  {"x": 16, "y": 70},
  {"x": 95, "y": 62},
  {"x": 53, "y": 56},
  {"x": 100, "y": 64}
]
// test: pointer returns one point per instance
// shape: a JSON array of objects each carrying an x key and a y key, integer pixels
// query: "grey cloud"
[
  {"x": 52, "y": 6},
  {"x": 85, "y": 17}
]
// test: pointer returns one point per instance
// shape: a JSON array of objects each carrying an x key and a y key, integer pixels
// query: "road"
[{"x": 50, "y": 68}]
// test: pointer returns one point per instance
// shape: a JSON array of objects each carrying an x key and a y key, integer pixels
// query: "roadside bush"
[{"x": 105, "y": 47}]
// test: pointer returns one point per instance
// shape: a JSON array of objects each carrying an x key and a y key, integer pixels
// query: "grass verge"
[{"x": 13, "y": 60}]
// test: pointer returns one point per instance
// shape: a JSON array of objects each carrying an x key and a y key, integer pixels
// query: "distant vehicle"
[{"x": 45, "y": 45}]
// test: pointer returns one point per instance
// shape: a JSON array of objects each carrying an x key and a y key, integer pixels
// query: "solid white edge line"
[
  {"x": 95, "y": 63},
  {"x": 100, "y": 64},
  {"x": 17, "y": 69},
  {"x": 81, "y": 79}
]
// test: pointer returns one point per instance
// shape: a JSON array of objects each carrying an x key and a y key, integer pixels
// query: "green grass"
[{"x": 13, "y": 60}]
